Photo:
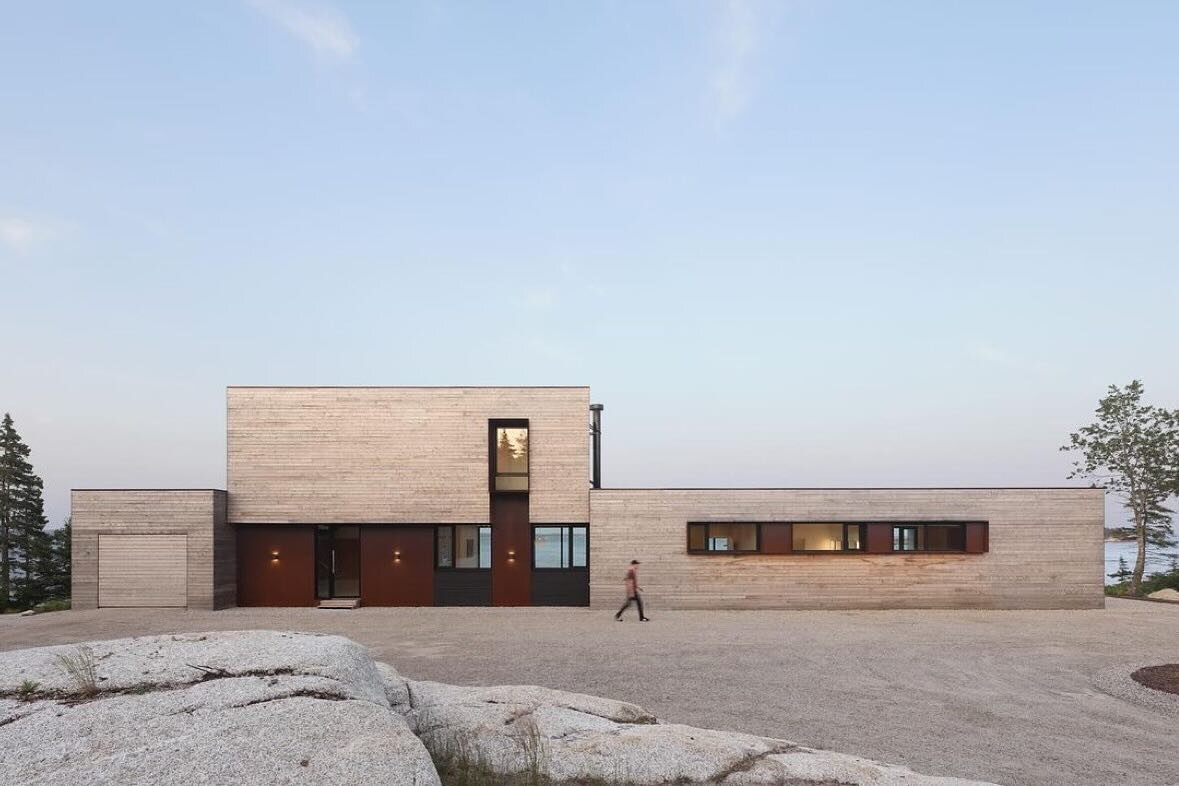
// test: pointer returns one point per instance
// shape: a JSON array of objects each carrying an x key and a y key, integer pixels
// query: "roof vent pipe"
[{"x": 596, "y": 434}]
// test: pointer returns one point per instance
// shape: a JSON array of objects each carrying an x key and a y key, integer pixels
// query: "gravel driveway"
[{"x": 1005, "y": 696}]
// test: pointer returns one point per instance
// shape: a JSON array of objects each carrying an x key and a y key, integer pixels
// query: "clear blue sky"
[{"x": 786, "y": 243}]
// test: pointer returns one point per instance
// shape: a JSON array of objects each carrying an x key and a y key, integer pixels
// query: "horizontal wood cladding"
[
  {"x": 398, "y": 455},
  {"x": 142, "y": 570},
  {"x": 1042, "y": 548},
  {"x": 198, "y": 514}
]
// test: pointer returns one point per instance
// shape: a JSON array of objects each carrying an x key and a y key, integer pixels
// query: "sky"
[{"x": 787, "y": 244}]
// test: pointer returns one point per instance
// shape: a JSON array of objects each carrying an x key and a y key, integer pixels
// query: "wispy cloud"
[
  {"x": 23, "y": 234},
  {"x": 16, "y": 233},
  {"x": 323, "y": 29},
  {"x": 730, "y": 83}
]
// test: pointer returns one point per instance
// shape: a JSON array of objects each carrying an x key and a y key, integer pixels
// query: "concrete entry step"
[{"x": 340, "y": 603}]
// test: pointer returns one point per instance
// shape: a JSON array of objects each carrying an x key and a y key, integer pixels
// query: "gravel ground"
[{"x": 1003, "y": 696}]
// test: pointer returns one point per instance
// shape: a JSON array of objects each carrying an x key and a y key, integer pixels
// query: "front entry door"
[{"x": 337, "y": 561}]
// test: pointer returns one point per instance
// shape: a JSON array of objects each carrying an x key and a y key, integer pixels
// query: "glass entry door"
[{"x": 337, "y": 561}]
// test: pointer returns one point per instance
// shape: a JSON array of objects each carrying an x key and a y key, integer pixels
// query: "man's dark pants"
[{"x": 632, "y": 599}]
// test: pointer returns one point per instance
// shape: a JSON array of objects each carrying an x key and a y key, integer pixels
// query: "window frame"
[
  {"x": 569, "y": 551},
  {"x": 454, "y": 546},
  {"x": 843, "y": 547},
  {"x": 921, "y": 540},
  {"x": 729, "y": 552},
  {"x": 863, "y": 524},
  {"x": 492, "y": 460}
]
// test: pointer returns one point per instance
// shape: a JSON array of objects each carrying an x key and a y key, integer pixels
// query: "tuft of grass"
[
  {"x": 533, "y": 746},
  {"x": 459, "y": 762},
  {"x": 28, "y": 690},
  {"x": 53, "y": 604},
  {"x": 79, "y": 667}
]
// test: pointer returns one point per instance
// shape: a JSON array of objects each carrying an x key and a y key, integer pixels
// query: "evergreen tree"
[
  {"x": 22, "y": 519},
  {"x": 55, "y": 570},
  {"x": 1123, "y": 573}
]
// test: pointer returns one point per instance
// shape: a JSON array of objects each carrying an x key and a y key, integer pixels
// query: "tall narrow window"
[
  {"x": 509, "y": 455},
  {"x": 905, "y": 539}
]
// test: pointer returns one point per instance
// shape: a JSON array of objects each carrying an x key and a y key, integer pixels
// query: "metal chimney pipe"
[{"x": 596, "y": 433}]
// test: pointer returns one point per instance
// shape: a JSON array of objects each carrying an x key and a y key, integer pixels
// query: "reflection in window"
[
  {"x": 559, "y": 547},
  {"x": 511, "y": 458},
  {"x": 445, "y": 547},
  {"x": 826, "y": 537},
  {"x": 722, "y": 537},
  {"x": 904, "y": 539},
  {"x": 464, "y": 546}
]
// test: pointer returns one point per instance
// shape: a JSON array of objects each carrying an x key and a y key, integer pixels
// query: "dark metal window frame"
[
  {"x": 454, "y": 546},
  {"x": 863, "y": 525},
  {"x": 569, "y": 552},
  {"x": 922, "y": 541},
  {"x": 707, "y": 538},
  {"x": 492, "y": 448},
  {"x": 843, "y": 549}
]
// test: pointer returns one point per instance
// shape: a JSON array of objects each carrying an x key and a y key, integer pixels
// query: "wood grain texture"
[
  {"x": 397, "y": 455},
  {"x": 1045, "y": 550},
  {"x": 142, "y": 570},
  {"x": 198, "y": 514}
]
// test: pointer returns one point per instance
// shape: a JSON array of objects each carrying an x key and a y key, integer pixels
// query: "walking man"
[{"x": 632, "y": 592}]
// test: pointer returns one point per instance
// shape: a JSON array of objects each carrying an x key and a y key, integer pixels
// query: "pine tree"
[
  {"x": 55, "y": 570},
  {"x": 22, "y": 519},
  {"x": 1123, "y": 573}
]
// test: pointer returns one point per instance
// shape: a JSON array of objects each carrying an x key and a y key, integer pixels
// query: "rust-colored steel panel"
[
  {"x": 879, "y": 538},
  {"x": 776, "y": 539},
  {"x": 397, "y": 565},
  {"x": 511, "y": 551},
  {"x": 977, "y": 540},
  {"x": 275, "y": 565}
]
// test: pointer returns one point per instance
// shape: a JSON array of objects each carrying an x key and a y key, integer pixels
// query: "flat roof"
[
  {"x": 851, "y": 488},
  {"x": 409, "y": 387},
  {"x": 142, "y": 489}
]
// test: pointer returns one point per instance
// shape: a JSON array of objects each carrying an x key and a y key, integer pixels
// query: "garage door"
[{"x": 142, "y": 570}]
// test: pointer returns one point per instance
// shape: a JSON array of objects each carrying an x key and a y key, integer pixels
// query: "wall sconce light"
[
  {"x": 397, "y": 555},
  {"x": 274, "y": 556},
  {"x": 511, "y": 555}
]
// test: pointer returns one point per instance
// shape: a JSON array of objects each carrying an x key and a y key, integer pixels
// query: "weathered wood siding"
[
  {"x": 198, "y": 514},
  {"x": 142, "y": 570},
  {"x": 1046, "y": 550},
  {"x": 398, "y": 455}
]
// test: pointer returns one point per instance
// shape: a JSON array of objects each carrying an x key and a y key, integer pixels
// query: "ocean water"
[{"x": 1128, "y": 549}]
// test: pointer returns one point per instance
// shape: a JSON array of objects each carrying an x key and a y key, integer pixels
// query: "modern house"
[{"x": 420, "y": 496}]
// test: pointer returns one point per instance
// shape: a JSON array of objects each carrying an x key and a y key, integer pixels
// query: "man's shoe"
[
  {"x": 644, "y": 619},
  {"x": 617, "y": 618}
]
